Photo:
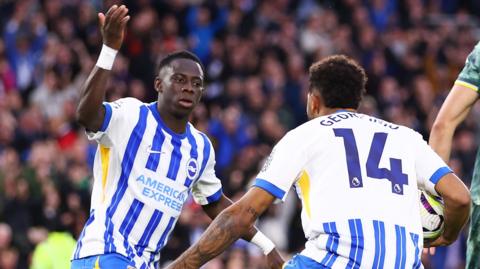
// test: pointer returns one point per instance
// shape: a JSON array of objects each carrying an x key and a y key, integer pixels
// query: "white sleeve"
[
  {"x": 282, "y": 167},
  {"x": 118, "y": 115},
  {"x": 208, "y": 188},
  {"x": 430, "y": 168}
]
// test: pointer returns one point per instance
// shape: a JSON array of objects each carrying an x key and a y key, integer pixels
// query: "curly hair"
[{"x": 340, "y": 81}]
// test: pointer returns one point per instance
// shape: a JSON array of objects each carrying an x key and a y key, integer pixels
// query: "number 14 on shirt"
[{"x": 394, "y": 174}]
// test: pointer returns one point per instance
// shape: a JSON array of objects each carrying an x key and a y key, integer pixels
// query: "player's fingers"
[
  {"x": 124, "y": 12},
  {"x": 124, "y": 21},
  {"x": 108, "y": 15},
  {"x": 117, "y": 14},
  {"x": 111, "y": 9},
  {"x": 101, "y": 20},
  {"x": 122, "y": 16},
  {"x": 429, "y": 251}
]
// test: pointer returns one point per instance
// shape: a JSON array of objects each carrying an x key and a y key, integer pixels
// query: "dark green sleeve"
[{"x": 470, "y": 74}]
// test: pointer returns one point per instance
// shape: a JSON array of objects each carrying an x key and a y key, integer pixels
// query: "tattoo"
[
  {"x": 252, "y": 211},
  {"x": 223, "y": 231}
]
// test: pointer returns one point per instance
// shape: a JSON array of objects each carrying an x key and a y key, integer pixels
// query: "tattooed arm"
[
  {"x": 228, "y": 226},
  {"x": 273, "y": 258},
  {"x": 214, "y": 209}
]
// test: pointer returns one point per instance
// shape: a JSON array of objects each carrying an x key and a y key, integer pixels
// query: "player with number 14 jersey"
[{"x": 358, "y": 179}]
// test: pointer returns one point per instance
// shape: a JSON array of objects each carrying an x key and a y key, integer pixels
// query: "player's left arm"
[
  {"x": 232, "y": 223},
  {"x": 215, "y": 208},
  {"x": 458, "y": 104},
  {"x": 253, "y": 235},
  {"x": 454, "y": 110}
]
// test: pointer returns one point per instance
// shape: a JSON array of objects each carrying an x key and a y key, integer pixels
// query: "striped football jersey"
[
  {"x": 358, "y": 179},
  {"x": 143, "y": 174}
]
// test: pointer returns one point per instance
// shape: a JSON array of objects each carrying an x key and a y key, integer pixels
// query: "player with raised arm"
[
  {"x": 454, "y": 110},
  {"x": 149, "y": 159},
  {"x": 358, "y": 178}
]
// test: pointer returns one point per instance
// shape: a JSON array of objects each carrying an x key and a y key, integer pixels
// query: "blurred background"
[{"x": 256, "y": 54}]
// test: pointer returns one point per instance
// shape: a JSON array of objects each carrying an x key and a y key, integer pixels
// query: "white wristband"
[
  {"x": 263, "y": 242},
  {"x": 106, "y": 58}
]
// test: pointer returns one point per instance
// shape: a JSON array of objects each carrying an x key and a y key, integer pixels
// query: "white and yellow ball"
[{"x": 431, "y": 214}]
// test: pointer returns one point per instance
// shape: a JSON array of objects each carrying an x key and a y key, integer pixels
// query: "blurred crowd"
[{"x": 256, "y": 55}]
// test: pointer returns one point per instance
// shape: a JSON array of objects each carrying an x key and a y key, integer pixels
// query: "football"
[{"x": 431, "y": 214}]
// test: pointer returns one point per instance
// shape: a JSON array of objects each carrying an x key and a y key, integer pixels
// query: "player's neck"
[
  {"x": 328, "y": 110},
  {"x": 177, "y": 125}
]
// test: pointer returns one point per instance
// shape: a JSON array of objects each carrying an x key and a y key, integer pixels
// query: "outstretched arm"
[
  {"x": 90, "y": 112},
  {"x": 274, "y": 259},
  {"x": 456, "y": 107},
  {"x": 232, "y": 223},
  {"x": 214, "y": 209}
]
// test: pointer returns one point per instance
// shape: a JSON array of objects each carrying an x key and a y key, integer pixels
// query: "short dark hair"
[
  {"x": 340, "y": 81},
  {"x": 183, "y": 54}
]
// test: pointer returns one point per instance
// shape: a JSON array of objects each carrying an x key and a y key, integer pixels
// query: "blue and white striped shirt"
[
  {"x": 358, "y": 178},
  {"x": 143, "y": 174}
]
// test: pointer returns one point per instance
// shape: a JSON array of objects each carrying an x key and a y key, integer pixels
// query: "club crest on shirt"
[{"x": 192, "y": 169}]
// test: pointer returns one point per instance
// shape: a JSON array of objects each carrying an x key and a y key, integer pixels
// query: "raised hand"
[{"x": 112, "y": 26}]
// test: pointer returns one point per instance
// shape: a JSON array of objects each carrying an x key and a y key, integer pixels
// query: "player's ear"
[
  {"x": 157, "y": 84},
  {"x": 315, "y": 102}
]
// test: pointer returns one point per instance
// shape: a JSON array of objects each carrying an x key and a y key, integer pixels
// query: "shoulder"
[
  {"x": 405, "y": 133},
  {"x": 307, "y": 130},
  {"x": 124, "y": 111},
  {"x": 300, "y": 136},
  {"x": 413, "y": 135},
  {"x": 391, "y": 127},
  {"x": 125, "y": 103}
]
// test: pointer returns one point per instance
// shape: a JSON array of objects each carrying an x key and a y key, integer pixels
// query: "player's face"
[{"x": 180, "y": 86}]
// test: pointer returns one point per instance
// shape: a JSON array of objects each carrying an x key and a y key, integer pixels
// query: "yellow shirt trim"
[
  {"x": 97, "y": 263},
  {"x": 304, "y": 184},
  {"x": 105, "y": 160},
  {"x": 466, "y": 85}
]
